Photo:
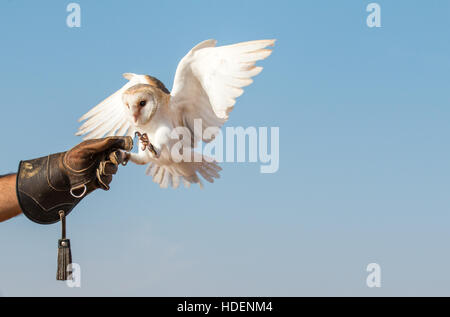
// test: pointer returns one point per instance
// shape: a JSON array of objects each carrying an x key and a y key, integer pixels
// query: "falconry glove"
[
  {"x": 48, "y": 188},
  {"x": 60, "y": 181}
]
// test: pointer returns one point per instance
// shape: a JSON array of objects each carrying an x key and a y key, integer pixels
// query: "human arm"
[
  {"x": 45, "y": 186},
  {"x": 9, "y": 205}
]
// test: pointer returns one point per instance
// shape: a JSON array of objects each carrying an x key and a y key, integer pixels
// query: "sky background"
[{"x": 364, "y": 157}]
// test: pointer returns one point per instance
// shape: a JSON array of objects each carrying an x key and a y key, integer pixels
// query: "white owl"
[{"x": 207, "y": 82}]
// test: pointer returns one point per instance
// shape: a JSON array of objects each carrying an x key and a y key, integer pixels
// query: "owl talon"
[
  {"x": 141, "y": 138},
  {"x": 146, "y": 143}
]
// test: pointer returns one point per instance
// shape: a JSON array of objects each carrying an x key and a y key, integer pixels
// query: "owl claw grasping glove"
[{"x": 207, "y": 82}]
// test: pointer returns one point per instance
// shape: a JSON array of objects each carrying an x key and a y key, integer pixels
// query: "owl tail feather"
[{"x": 172, "y": 174}]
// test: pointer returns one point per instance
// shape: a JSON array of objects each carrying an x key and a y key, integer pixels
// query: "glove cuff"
[{"x": 43, "y": 189}]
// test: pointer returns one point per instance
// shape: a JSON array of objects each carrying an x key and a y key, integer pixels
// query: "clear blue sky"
[{"x": 364, "y": 156}]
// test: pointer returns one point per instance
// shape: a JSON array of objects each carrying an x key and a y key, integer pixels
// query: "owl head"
[{"x": 142, "y": 102}]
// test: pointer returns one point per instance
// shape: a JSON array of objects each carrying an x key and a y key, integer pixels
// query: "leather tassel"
[{"x": 64, "y": 253}]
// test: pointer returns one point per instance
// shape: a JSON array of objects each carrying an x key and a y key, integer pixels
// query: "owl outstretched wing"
[
  {"x": 109, "y": 117},
  {"x": 209, "y": 79}
]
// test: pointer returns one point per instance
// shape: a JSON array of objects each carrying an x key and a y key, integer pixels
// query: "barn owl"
[{"x": 207, "y": 82}]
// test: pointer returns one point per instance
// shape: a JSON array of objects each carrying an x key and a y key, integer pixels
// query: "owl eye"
[{"x": 143, "y": 103}]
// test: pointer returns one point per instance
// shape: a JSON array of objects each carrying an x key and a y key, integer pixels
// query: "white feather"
[{"x": 209, "y": 79}]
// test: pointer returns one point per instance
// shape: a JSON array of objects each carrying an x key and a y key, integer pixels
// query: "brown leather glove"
[{"x": 59, "y": 181}]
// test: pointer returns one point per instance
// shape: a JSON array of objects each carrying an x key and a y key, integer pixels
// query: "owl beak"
[{"x": 135, "y": 117}]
